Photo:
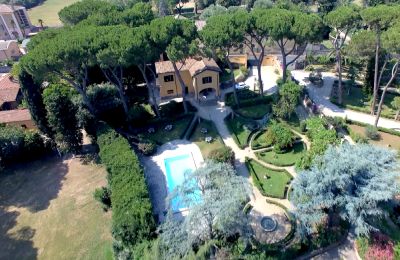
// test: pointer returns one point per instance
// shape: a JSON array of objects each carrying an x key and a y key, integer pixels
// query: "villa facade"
[{"x": 201, "y": 78}]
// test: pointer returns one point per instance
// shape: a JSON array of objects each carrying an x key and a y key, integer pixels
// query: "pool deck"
[{"x": 154, "y": 169}]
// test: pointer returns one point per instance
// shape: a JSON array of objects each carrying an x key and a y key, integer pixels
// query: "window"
[
  {"x": 169, "y": 78},
  {"x": 171, "y": 91},
  {"x": 207, "y": 80}
]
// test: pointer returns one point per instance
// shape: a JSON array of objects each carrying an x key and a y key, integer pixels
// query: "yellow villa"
[{"x": 201, "y": 77}]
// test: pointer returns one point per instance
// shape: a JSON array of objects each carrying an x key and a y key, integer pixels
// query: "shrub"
[
  {"x": 140, "y": 114},
  {"x": 372, "y": 132},
  {"x": 381, "y": 247},
  {"x": 321, "y": 137},
  {"x": 147, "y": 148},
  {"x": 223, "y": 155},
  {"x": 280, "y": 136},
  {"x": 19, "y": 145},
  {"x": 303, "y": 126},
  {"x": 171, "y": 109},
  {"x": 132, "y": 219},
  {"x": 103, "y": 195},
  {"x": 244, "y": 71}
]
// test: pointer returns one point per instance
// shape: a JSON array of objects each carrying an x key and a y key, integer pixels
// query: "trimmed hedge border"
[{"x": 132, "y": 217}]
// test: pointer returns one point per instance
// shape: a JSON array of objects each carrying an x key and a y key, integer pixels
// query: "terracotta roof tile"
[
  {"x": 9, "y": 89},
  {"x": 194, "y": 66},
  {"x": 16, "y": 115}
]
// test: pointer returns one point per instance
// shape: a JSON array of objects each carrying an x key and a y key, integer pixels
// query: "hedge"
[
  {"x": 18, "y": 145},
  {"x": 132, "y": 219}
]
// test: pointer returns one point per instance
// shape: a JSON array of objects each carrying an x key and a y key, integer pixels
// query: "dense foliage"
[
  {"x": 216, "y": 197},
  {"x": 349, "y": 182},
  {"x": 61, "y": 114},
  {"x": 34, "y": 100},
  {"x": 18, "y": 145},
  {"x": 280, "y": 136},
  {"x": 223, "y": 155},
  {"x": 321, "y": 137},
  {"x": 132, "y": 219},
  {"x": 289, "y": 95}
]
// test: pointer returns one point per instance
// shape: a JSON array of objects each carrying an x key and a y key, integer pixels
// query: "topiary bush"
[
  {"x": 147, "y": 148},
  {"x": 372, "y": 132},
  {"x": 103, "y": 195},
  {"x": 223, "y": 155}
]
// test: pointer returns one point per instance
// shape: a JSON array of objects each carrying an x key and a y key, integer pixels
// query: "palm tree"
[{"x": 40, "y": 21}]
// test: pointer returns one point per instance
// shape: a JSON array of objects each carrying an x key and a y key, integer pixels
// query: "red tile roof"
[
  {"x": 16, "y": 115},
  {"x": 194, "y": 66},
  {"x": 9, "y": 89}
]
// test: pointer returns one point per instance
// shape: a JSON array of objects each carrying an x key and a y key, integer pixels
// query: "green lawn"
[
  {"x": 47, "y": 211},
  {"x": 48, "y": 12},
  {"x": 359, "y": 101},
  {"x": 288, "y": 158},
  {"x": 240, "y": 133},
  {"x": 271, "y": 183},
  {"x": 198, "y": 138},
  {"x": 259, "y": 140},
  {"x": 254, "y": 112},
  {"x": 161, "y": 136}
]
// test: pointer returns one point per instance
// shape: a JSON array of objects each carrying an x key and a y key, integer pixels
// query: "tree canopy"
[
  {"x": 215, "y": 196},
  {"x": 350, "y": 182}
]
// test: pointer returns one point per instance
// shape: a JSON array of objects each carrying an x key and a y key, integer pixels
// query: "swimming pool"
[{"x": 176, "y": 168}]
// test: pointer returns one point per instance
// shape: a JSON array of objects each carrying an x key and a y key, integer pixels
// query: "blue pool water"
[{"x": 176, "y": 168}]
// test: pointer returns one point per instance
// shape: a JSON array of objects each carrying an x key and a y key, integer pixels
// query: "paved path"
[
  {"x": 261, "y": 207},
  {"x": 321, "y": 97},
  {"x": 345, "y": 251},
  {"x": 217, "y": 114}
]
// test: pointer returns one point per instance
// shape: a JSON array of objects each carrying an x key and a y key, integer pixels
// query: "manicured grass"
[
  {"x": 359, "y": 101},
  {"x": 254, "y": 112},
  {"x": 271, "y": 183},
  {"x": 47, "y": 211},
  {"x": 240, "y": 133},
  {"x": 283, "y": 159},
  {"x": 199, "y": 138},
  {"x": 48, "y": 12},
  {"x": 259, "y": 140},
  {"x": 161, "y": 136}
]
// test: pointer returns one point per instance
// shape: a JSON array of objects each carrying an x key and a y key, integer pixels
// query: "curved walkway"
[
  {"x": 321, "y": 97},
  {"x": 261, "y": 207}
]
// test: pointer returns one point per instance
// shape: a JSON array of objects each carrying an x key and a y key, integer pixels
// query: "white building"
[{"x": 14, "y": 22}]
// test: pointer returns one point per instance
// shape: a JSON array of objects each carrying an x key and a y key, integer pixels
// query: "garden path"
[
  {"x": 261, "y": 207},
  {"x": 321, "y": 97}
]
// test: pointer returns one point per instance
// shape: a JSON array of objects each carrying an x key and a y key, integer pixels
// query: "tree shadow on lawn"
[
  {"x": 17, "y": 245},
  {"x": 32, "y": 186}
]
